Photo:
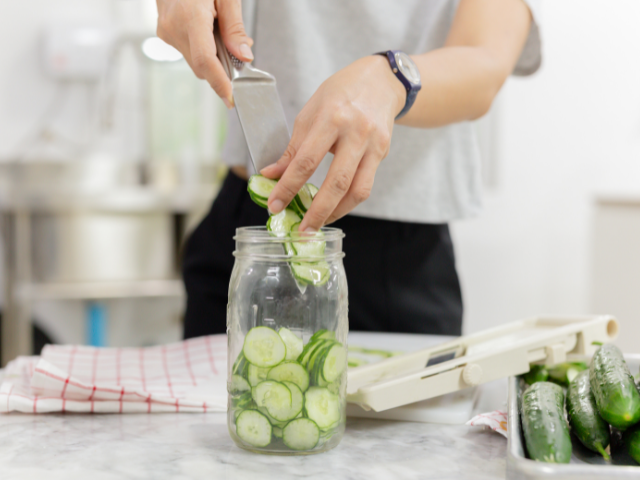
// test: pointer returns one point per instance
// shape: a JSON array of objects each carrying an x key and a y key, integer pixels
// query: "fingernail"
[
  {"x": 227, "y": 103},
  {"x": 310, "y": 230},
  {"x": 276, "y": 206},
  {"x": 246, "y": 51}
]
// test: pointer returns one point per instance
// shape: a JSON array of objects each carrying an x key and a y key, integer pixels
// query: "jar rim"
[{"x": 260, "y": 234}]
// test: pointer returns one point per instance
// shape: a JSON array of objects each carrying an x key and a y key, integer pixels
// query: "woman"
[{"x": 350, "y": 109}]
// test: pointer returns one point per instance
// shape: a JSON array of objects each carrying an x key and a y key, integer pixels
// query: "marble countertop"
[{"x": 193, "y": 446}]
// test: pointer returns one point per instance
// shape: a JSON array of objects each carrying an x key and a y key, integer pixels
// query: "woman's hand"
[
  {"x": 187, "y": 25},
  {"x": 351, "y": 115}
]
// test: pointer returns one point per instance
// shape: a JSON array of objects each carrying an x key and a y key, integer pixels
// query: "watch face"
[{"x": 408, "y": 67}]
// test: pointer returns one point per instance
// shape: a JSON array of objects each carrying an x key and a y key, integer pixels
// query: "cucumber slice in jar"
[
  {"x": 254, "y": 428},
  {"x": 322, "y": 406},
  {"x": 275, "y": 397},
  {"x": 238, "y": 385},
  {"x": 297, "y": 399},
  {"x": 313, "y": 190},
  {"x": 290, "y": 372},
  {"x": 311, "y": 273},
  {"x": 260, "y": 187},
  {"x": 301, "y": 434},
  {"x": 281, "y": 223},
  {"x": 323, "y": 334},
  {"x": 308, "y": 244},
  {"x": 240, "y": 366},
  {"x": 293, "y": 343},
  {"x": 277, "y": 432},
  {"x": 263, "y": 347},
  {"x": 334, "y": 363},
  {"x": 242, "y": 402},
  {"x": 255, "y": 375}
]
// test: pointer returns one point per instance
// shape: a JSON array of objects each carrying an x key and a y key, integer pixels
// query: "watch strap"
[{"x": 412, "y": 90}]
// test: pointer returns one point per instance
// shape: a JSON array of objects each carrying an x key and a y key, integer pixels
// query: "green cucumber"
[
  {"x": 316, "y": 274},
  {"x": 631, "y": 440},
  {"x": 305, "y": 196},
  {"x": 255, "y": 375},
  {"x": 301, "y": 434},
  {"x": 242, "y": 402},
  {"x": 614, "y": 388},
  {"x": 280, "y": 224},
  {"x": 290, "y": 372},
  {"x": 323, "y": 334},
  {"x": 307, "y": 244},
  {"x": 276, "y": 398},
  {"x": 254, "y": 428},
  {"x": 545, "y": 428},
  {"x": 260, "y": 187},
  {"x": 334, "y": 363},
  {"x": 585, "y": 421},
  {"x": 323, "y": 407},
  {"x": 277, "y": 432},
  {"x": 536, "y": 373},
  {"x": 240, "y": 366},
  {"x": 293, "y": 343},
  {"x": 238, "y": 385},
  {"x": 263, "y": 347},
  {"x": 563, "y": 373}
]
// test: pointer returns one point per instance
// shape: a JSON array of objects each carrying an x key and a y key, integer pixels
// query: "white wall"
[{"x": 571, "y": 130}]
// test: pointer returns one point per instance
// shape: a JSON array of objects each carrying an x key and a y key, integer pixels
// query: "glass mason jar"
[{"x": 287, "y": 331}]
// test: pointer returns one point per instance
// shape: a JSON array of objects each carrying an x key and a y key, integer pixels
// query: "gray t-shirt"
[{"x": 430, "y": 175}]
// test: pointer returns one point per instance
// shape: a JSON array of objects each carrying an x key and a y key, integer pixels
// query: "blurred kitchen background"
[{"x": 109, "y": 156}]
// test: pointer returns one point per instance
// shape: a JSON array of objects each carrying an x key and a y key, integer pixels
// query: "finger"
[
  {"x": 204, "y": 61},
  {"x": 232, "y": 30},
  {"x": 360, "y": 187},
  {"x": 336, "y": 184},
  {"x": 307, "y": 158}
]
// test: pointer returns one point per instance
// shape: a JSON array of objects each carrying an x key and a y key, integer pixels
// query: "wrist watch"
[{"x": 407, "y": 72}]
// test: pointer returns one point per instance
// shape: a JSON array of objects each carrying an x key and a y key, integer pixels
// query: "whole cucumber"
[
  {"x": 584, "y": 418},
  {"x": 545, "y": 428},
  {"x": 632, "y": 442},
  {"x": 613, "y": 387}
]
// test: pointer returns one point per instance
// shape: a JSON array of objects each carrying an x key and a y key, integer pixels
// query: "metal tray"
[{"x": 585, "y": 465}]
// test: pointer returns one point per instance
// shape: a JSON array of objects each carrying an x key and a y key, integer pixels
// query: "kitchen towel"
[
  {"x": 496, "y": 421},
  {"x": 188, "y": 376}
]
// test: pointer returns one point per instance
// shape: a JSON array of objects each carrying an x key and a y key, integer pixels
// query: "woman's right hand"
[{"x": 187, "y": 25}]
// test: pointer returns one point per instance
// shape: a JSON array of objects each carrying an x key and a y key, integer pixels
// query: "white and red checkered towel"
[{"x": 187, "y": 376}]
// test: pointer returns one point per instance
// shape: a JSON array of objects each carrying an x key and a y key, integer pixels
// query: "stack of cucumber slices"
[
  {"x": 305, "y": 249},
  {"x": 283, "y": 390}
]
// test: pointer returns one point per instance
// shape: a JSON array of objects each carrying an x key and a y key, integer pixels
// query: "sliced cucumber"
[
  {"x": 263, "y": 347},
  {"x": 240, "y": 366},
  {"x": 273, "y": 421},
  {"x": 242, "y": 402},
  {"x": 238, "y": 385},
  {"x": 290, "y": 372},
  {"x": 281, "y": 223},
  {"x": 293, "y": 343},
  {"x": 322, "y": 406},
  {"x": 334, "y": 363},
  {"x": 311, "y": 273},
  {"x": 301, "y": 434},
  {"x": 254, "y": 428},
  {"x": 313, "y": 190},
  {"x": 260, "y": 187},
  {"x": 307, "y": 355},
  {"x": 307, "y": 244},
  {"x": 276, "y": 398},
  {"x": 297, "y": 399},
  {"x": 304, "y": 197},
  {"x": 277, "y": 432},
  {"x": 255, "y": 375},
  {"x": 322, "y": 334}
]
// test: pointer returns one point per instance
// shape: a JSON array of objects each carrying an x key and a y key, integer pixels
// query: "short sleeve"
[{"x": 531, "y": 56}]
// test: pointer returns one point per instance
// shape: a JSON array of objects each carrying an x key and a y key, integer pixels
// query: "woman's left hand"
[{"x": 351, "y": 115}]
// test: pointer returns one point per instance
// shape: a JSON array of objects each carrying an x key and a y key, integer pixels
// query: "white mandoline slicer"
[{"x": 475, "y": 359}]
